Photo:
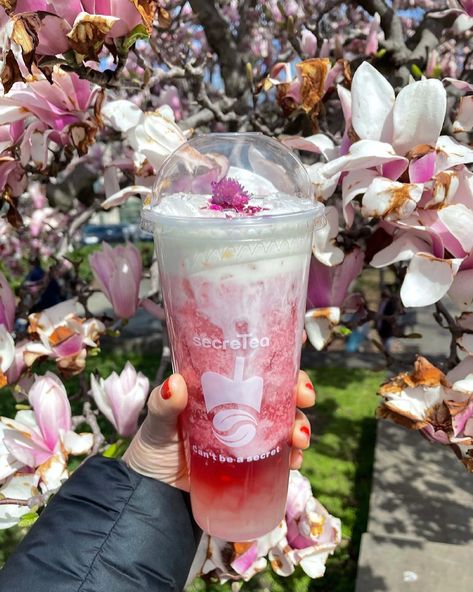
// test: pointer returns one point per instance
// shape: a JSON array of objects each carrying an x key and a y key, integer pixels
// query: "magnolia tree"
[{"x": 376, "y": 97}]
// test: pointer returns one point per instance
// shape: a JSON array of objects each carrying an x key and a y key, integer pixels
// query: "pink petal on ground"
[
  {"x": 427, "y": 279},
  {"x": 372, "y": 104}
]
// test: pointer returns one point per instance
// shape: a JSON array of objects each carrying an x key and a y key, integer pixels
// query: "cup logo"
[{"x": 233, "y": 426}]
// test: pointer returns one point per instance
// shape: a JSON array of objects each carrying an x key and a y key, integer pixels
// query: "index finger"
[{"x": 305, "y": 395}]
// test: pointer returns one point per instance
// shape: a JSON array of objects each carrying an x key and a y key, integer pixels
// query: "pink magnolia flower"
[
  {"x": 372, "y": 39},
  {"x": 308, "y": 43},
  {"x": 121, "y": 398},
  {"x": 63, "y": 336},
  {"x": 327, "y": 291},
  {"x": 34, "y": 437},
  {"x": 7, "y": 304},
  {"x": 118, "y": 272}
]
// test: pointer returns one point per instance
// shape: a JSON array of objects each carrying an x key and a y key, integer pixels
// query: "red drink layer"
[{"x": 236, "y": 335}]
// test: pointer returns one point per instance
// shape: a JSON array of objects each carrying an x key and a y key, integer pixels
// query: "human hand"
[{"x": 157, "y": 450}]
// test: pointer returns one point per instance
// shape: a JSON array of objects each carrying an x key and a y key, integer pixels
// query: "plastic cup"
[{"x": 234, "y": 291}]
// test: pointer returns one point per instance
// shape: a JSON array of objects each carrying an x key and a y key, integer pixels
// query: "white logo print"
[{"x": 235, "y": 426}]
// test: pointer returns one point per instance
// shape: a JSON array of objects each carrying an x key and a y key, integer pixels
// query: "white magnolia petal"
[
  {"x": 418, "y": 114},
  {"x": 7, "y": 349},
  {"x": 314, "y": 564},
  {"x": 22, "y": 487},
  {"x": 461, "y": 291},
  {"x": 458, "y": 219},
  {"x": 77, "y": 444},
  {"x": 324, "y": 186},
  {"x": 427, "y": 279},
  {"x": 280, "y": 560},
  {"x": 318, "y": 143},
  {"x": 53, "y": 473},
  {"x": 451, "y": 153},
  {"x": 401, "y": 249},
  {"x": 156, "y": 136},
  {"x": 466, "y": 343},
  {"x": 365, "y": 154},
  {"x": 8, "y": 463},
  {"x": 121, "y": 196},
  {"x": 9, "y": 113},
  {"x": 464, "y": 120},
  {"x": 462, "y": 85},
  {"x": 324, "y": 245},
  {"x": 390, "y": 199},
  {"x": 355, "y": 183},
  {"x": 463, "y": 23},
  {"x": 444, "y": 188},
  {"x": 372, "y": 104},
  {"x": 319, "y": 325},
  {"x": 100, "y": 397},
  {"x": 461, "y": 370},
  {"x": 122, "y": 115}
]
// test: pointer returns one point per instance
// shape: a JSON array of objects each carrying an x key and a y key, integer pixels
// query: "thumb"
[
  {"x": 157, "y": 450},
  {"x": 165, "y": 404}
]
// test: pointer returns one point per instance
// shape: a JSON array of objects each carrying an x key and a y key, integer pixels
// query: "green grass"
[{"x": 338, "y": 464}]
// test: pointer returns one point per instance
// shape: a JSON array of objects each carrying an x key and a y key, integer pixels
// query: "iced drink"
[{"x": 234, "y": 288}]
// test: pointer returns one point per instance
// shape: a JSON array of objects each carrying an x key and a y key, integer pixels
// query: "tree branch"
[{"x": 221, "y": 40}]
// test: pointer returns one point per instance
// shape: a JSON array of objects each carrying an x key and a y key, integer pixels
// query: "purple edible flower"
[{"x": 228, "y": 193}]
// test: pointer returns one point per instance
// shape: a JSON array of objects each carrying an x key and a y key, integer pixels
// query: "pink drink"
[
  {"x": 234, "y": 289},
  {"x": 235, "y": 318}
]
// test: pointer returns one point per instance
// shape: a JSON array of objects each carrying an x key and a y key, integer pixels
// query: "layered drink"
[{"x": 234, "y": 281}]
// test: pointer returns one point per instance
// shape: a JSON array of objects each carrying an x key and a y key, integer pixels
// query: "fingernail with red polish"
[
  {"x": 309, "y": 386},
  {"x": 305, "y": 430},
  {"x": 166, "y": 390}
]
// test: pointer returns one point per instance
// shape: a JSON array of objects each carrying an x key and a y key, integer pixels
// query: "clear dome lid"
[{"x": 260, "y": 165}]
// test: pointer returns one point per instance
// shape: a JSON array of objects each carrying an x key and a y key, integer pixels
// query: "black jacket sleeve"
[{"x": 108, "y": 529}]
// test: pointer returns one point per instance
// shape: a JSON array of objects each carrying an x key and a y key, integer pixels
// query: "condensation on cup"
[{"x": 233, "y": 223}]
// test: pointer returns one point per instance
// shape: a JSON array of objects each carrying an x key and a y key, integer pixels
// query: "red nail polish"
[
  {"x": 305, "y": 430},
  {"x": 309, "y": 386},
  {"x": 166, "y": 390}
]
